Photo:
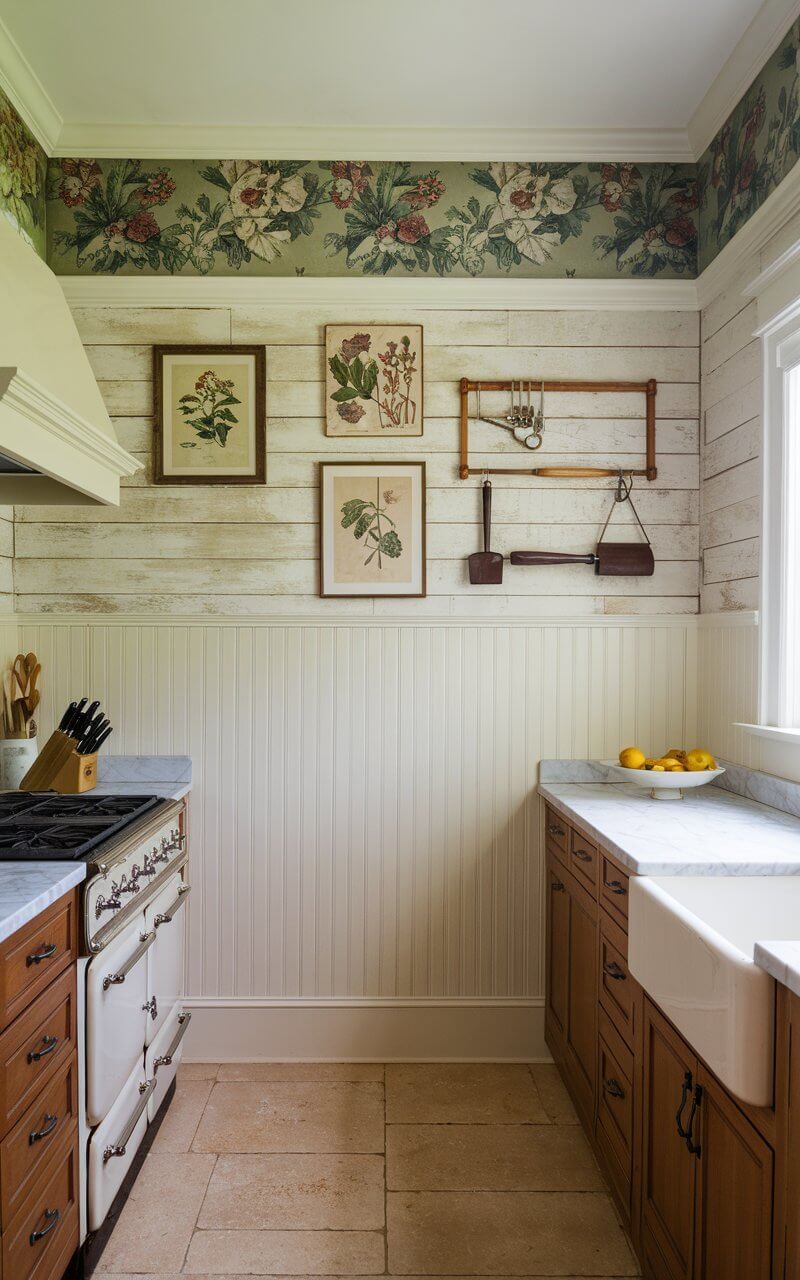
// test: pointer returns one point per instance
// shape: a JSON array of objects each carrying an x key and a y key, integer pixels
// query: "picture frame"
[
  {"x": 372, "y": 530},
  {"x": 374, "y": 380},
  {"x": 202, "y": 395}
]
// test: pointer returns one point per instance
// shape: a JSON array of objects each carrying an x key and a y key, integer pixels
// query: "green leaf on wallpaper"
[{"x": 346, "y": 393}]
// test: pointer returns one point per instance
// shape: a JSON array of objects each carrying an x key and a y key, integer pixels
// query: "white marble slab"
[
  {"x": 169, "y": 777},
  {"x": 26, "y": 888},
  {"x": 708, "y": 832},
  {"x": 782, "y": 961}
]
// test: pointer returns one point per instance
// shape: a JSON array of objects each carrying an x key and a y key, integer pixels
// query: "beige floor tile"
[
  {"x": 290, "y": 1192},
  {"x": 552, "y": 1091},
  {"x": 509, "y": 1233},
  {"x": 198, "y": 1070},
  {"x": 462, "y": 1093},
  {"x": 357, "y": 1071},
  {"x": 484, "y": 1157},
  {"x": 308, "y": 1116},
  {"x": 183, "y": 1116},
  {"x": 155, "y": 1227},
  {"x": 273, "y": 1253}
]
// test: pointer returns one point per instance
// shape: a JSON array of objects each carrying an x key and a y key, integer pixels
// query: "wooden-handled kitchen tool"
[
  {"x": 486, "y": 566},
  {"x": 610, "y": 559}
]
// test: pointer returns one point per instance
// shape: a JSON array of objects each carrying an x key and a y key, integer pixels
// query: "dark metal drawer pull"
[
  {"x": 50, "y": 1123},
  {"x": 616, "y": 886},
  {"x": 52, "y": 1216},
  {"x": 614, "y": 1088},
  {"x": 686, "y": 1089},
  {"x": 49, "y": 1043},
  {"x": 558, "y": 886},
  {"x": 613, "y": 970},
  {"x": 555, "y": 830},
  {"x": 49, "y": 949},
  {"x": 692, "y": 1147},
  {"x": 582, "y": 855}
]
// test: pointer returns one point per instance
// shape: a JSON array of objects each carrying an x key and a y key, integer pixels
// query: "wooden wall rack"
[{"x": 647, "y": 389}]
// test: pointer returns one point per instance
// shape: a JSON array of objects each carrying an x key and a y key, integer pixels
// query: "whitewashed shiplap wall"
[
  {"x": 364, "y": 822},
  {"x": 236, "y": 551}
]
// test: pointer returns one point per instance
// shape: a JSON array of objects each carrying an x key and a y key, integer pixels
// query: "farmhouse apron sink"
[{"x": 691, "y": 942}]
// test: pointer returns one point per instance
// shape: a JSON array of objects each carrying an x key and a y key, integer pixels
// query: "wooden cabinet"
[{"x": 571, "y": 1010}]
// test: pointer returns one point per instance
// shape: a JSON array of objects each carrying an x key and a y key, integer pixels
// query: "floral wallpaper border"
[
  {"x": 343, "y": 217},
  {"x": 23, "y": 168}
]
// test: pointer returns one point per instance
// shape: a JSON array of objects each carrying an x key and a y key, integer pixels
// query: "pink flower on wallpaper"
[
  {"x": 78, "y": 180},
  {"x": 412, "y": 228},
  {"x": 157, "y": 190},
  {"x": 142, "y": 227}
]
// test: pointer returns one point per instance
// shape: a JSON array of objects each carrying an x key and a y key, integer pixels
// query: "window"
[{"x": 780, "y": 550}]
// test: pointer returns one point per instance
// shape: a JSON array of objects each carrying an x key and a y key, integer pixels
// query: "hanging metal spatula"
[{"x": 486, "y": 566}]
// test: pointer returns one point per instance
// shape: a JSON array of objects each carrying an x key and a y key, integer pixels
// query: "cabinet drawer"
[
  {"x": 35, "y": 1047},
  {"x": 617, "y": 989},
  {"x": 556, "y": 829},
  {"x": 614, "y": 891},
  {"x": 42, "y": 1236},
  {"x": 36, "y": 954},
  {"x": 615, "y": 1093},
  {"x": 25, "y": 1150},
  {"x": 583, "y": 861}
]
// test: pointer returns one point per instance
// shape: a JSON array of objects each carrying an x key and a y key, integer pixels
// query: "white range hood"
[{"x": 57, "y": 444}]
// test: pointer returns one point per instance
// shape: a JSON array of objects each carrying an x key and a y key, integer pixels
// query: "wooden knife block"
[{"x": 78, "y": 774}]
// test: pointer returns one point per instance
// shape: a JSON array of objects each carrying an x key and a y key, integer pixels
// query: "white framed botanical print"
[
  {"x": 373, "y": 380},
  {"x": 372, "y": 529}
]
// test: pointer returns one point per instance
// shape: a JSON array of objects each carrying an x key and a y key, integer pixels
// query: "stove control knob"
[
  {"x": 149, "y": 868},
  {"x": 128, "y": 885},
  {"x": 107, "y": 904}
]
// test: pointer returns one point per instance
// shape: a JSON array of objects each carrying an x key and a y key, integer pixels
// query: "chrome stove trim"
[{"x": 101, "y": 939}]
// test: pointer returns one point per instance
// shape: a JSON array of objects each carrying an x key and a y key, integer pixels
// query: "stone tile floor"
[{"x": 332, "y": 1169}]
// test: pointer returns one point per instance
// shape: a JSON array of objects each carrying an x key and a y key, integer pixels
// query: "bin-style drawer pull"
[
  {"x": 50, "y": 1123},
  {"x": 118, "y": 1148},
  {"x": 614, "y": 1088},
  {"x": 613, "y": 970},
  {"x": 616, "y": 886},
  {"x": 558, "y": 886},
  {"x": 582, "y": 855},
  {"x": 49, "y": 949},
  {"x": 49, "y": 1043},
  {"x": 183, "y": 1024},
  {"x": 164, "y": 917},
  {"x": 555, "y": 830},
  {"x": 146, "y": 941},
  {"x": 52, "y": 1217}
]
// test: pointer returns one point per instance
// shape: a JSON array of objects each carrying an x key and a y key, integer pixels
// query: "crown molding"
[
  {"x": 333, "y": 618},
  {"x": 192, "y": 142},
  {"x": 489, "y": 294},
  {"x": 23, "y": 87},
  {"x": 758, "y": 43},
  {"x": 775, "y": 212}
]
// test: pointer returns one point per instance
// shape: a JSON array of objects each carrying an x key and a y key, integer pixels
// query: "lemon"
[
  {"x": 659, "y": 768},
  {"x": 677, "y": 768},
  {"x": 698, "y": 760},
  {"x": 632, "y": 758},
  {"x": 669, "y": 762},
  {"x": 677, "y": 753}
]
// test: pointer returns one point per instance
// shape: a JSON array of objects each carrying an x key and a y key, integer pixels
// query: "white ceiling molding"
[
  {"x": 371, "y": 291},
  {"x": 759, "y": 41},
  {"x": 20, "y": 83},
  {"x": 192, "y": 142},
  {"x": 774, "y": 213}
]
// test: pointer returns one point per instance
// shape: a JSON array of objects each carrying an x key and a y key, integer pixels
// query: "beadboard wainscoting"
[
  {"x": 365, "y": 833},
  {"x": 253, "y": 550}
]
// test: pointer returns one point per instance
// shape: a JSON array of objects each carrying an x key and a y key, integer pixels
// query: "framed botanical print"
[
  {"x": 373, "y": 380},
  {"x": 209, "y": 415},
  {"x": 372, "y": 529}
]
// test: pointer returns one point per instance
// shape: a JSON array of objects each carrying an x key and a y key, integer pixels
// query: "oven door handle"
[
  {"x": 183, "y": 1025},
  {"x": 118, "y": 1148},
  {"x": 146, "y": 941},
  {"x": 165, "y": 917}
]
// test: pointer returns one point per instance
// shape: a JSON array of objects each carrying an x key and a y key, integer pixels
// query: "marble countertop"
[
  {"x": 782, "y": 961},
  {"x": 709, "y": 832},
  {"x": 26, "y": 888},
  {"x": 169, "y": 777}
]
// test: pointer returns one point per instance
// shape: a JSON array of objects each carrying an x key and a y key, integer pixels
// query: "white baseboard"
[{"x": 366, "y": 1031}]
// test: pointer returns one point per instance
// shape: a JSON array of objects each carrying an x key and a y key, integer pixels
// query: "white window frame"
[{"x": 779, "y": 678}]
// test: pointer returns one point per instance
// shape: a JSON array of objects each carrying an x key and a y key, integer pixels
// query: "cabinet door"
[
  {"x": 581, "y": 1038},
  {"x": 668, "y": 1168},
  {"x": 557, "y": 958},
  {"x": 788, "y": 1215},
  {"x": 734, "y": 1193}
]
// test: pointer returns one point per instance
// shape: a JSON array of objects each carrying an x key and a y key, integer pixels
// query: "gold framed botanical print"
[
  {"x": 373, "y": 380},
  {"x": 209, "y": 415},
  {"x": 372, "y": 529}
]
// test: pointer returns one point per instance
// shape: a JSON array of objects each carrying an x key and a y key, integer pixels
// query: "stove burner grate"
[{"x": 50, "y": 826}]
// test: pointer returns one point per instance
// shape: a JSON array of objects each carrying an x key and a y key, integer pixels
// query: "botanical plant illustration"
[
  {"x": 358, "y": 373},
  {"x": 22, "y": 171},
  {"x": 384, "y": 228},
  {"x": 654, "y": 219},
  {"x": 208, "y": 410},
  {"x": 369, "y": 520}
]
